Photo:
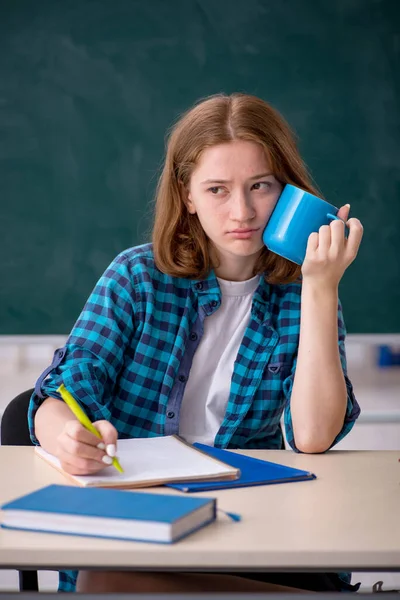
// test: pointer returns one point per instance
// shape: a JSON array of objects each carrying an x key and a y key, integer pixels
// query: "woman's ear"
[
  {"x": 187, "y": 199},
  {"x": 190, "y": 204}
]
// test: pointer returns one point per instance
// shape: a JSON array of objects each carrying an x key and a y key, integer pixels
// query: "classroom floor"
[{"x": 378, "y": 393}]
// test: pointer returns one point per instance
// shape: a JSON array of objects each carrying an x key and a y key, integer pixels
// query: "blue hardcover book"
[
  {"x": 108, "y": 513},
  {"x": 254, "y": 471}
]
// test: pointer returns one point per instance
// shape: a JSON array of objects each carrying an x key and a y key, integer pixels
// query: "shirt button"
[
  {"x": 199, "y": 286},
  {"x": 193, "y": 337},
  {"x": 213, "y": 303},
  {"x": 60, "y": 353},
  {"x": 182, "y": 378},
  {"x": 170, "y": 414}
]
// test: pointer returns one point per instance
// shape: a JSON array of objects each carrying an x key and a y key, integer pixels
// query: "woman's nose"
[{"x": 241, "y": 207}]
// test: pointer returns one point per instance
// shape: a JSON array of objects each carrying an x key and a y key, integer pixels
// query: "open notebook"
[{"x": 152, "y": 461}]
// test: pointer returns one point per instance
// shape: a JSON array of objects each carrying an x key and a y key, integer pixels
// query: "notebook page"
[{"x": 151, "y": 459}]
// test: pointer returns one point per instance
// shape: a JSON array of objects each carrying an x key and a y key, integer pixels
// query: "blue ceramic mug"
[{"x": 296, "y": 215}]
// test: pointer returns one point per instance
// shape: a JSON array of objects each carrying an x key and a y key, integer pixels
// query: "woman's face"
[{"x": 233, "y": 192}]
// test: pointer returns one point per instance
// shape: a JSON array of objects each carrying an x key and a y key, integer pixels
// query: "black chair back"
[{"x": 14, "y": 423}]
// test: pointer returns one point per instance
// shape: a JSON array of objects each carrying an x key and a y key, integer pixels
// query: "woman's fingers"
[
  {"x": 354, "y": 239},
  {"x": 312, "y": 244},
  {"x": 329, "y": 253},
  {"x": 81, "y": 452},
  {"x": 109, "y": 436},
  {"x": 324, "y": 240},
  {"x": 78, "y": 432},
  {"x": 75, "y": 465},
  {"x": 337, "y": 238},
  {"x": 81, "y": 459},
  {"x": 86, "y": 451},
  {"x": 343, "y": 212}
]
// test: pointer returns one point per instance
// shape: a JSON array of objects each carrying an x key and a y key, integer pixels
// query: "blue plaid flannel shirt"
[{"x": 129, "y": 354}]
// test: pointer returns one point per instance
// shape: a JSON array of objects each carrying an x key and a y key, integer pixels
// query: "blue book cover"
[
  {"x": 109, "y": 513},
  {"x": 254, "y": 471}
]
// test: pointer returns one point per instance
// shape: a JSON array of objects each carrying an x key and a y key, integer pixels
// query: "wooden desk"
[{"x": 347, "y": 519}]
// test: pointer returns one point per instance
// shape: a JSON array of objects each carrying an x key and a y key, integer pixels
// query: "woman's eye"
[
  {"x": 262, "y": 185},
  {"x": 215, "y": 189}
]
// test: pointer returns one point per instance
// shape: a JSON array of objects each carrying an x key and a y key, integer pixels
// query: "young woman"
[{"x": 205, "y": 333}]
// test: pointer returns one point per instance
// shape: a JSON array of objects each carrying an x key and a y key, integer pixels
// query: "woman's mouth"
[{"x": 242, "y": 234}]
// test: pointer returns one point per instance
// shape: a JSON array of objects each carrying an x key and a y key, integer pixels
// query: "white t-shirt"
[{"x": 207, "y": 389}]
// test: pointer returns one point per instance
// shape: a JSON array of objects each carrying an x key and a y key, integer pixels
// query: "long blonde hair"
[{"x": 181, "y": 247}]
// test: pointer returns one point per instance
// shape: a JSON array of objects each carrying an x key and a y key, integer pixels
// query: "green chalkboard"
[{"x": 88, "y": 89}]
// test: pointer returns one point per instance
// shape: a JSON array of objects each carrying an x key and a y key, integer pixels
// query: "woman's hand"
[
  {"x": 81, "y": 452},
  {"x": 329, "y": 253}
]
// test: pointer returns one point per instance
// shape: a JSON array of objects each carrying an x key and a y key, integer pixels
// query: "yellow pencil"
[{"x": 83, "y": 418}]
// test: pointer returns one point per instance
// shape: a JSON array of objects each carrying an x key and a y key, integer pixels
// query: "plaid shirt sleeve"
[
  {"x": 352, "y": 410},
  {"x": 93, "y": 356}
]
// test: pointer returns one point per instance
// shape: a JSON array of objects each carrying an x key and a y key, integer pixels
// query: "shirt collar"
[{"x": 209, "y": 294}]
